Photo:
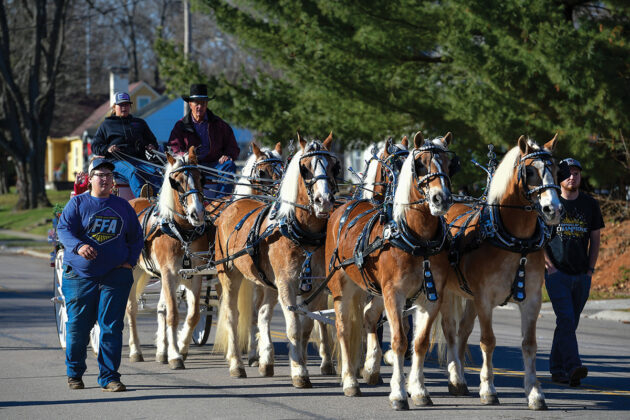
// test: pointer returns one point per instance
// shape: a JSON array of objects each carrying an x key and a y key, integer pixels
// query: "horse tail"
[
  {"x": 245, "y": 295},
  {"x": 140, "y": 280},
  {"x": 454, "y": 304},
  {"x": 356, "y": 337},
  {"x": 245, "y": 314}
]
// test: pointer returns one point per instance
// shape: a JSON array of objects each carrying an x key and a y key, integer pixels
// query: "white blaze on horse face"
[
  {"x": 195, "y": 210},
  {"x": 439, "y": 198},
  {"x": 322, "y": 196},
  {"x": 548, "y": 200}
]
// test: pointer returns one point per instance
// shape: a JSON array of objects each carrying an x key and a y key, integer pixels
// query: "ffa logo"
[{"x": 104, "y": 226}]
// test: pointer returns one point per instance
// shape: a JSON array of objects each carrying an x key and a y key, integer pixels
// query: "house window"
[{"x": 143, "y": 101}]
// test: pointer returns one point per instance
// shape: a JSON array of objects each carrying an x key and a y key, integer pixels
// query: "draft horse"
[
  {"x": 396, "y": 255},
  {"x": 280, "y": 247},
  {"x": 497, "y": 256},
  {"x": 174, "y": 229}
]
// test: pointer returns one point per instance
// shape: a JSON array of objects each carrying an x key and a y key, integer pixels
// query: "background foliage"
[{"x": 488, "y": 71}]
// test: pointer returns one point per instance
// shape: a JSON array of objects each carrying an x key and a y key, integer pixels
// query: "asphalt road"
[{"x": 33, "y": 380}]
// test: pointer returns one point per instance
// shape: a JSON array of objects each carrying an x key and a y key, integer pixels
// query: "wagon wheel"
[
  {"x": 201, "y": 332},
  {"x": 61, "y": 316},
  {"x": 95, "y": 337}
]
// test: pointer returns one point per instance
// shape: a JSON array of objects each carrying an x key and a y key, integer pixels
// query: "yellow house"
[{"x": 65, "y": 156}]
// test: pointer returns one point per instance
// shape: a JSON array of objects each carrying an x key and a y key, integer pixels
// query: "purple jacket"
[{"x": 222, "y": 140}]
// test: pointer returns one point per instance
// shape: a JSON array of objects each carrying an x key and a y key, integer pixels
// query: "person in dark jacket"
[
  {"x": 122, "y": 132},
  {"x": 102, "y": 239},
  {"x": 213, "y": 137}
]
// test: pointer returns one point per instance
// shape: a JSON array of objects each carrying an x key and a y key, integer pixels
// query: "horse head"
[
  {"x": 431, "y": 165},
  {"x": 537, "y": 174},
  {"x": 181, "y": 193},
  {"x": 318, "y": 169},
  {"x": 267, "y": 168}
]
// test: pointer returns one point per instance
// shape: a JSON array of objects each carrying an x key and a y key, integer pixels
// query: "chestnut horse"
[
  {"x": 174, "y": 230},
  {"x": 497, "y": 255},
  {"x": 386, "y": 260},
  {"x": 279, "y": 247},
  {"x": 377, "y": 177}
]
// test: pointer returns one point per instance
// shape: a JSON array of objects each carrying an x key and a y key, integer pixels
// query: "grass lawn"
[{"x": 36, "y": 221}]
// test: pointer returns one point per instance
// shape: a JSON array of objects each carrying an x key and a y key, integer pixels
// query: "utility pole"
[
  {"x": 187, "y": 29},
  {"x": 187, "y": 38},
  {"x": 87, "y": 53}
]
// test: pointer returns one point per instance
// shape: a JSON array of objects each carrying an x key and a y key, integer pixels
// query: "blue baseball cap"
[
  {"x": 571, "y": 162},
  {"x": 98, "y": 162},
  {"x": 122, "y": 98}
]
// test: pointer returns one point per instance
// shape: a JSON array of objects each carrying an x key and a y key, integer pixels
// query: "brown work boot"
[
  {"x": 75, "y": 383},
  {"x": 115, "y": 386}
]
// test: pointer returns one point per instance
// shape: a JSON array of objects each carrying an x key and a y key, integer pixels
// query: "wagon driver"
[
  {"x": 213, "y": 137},
  {"x": 102, "y": 240},
  {"x": 125, "y": 139}
]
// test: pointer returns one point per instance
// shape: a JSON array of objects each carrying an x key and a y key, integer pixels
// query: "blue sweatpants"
[
  {"x": 568, "y": 294},
  {"x": 137, "y": 174},
  {"x": 225, "y": 182},
  {"x": 89, "y": 300}
]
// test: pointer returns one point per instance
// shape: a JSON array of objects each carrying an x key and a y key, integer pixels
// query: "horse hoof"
[
  {"x": 302, "y": 382},
  {"x": 422, "y": 401},
  {"x": 328, "y": 370},
  {"x": 136, "y": 357},
  {"x": 176, "y": 364},
  {"x": 238, "y": 373},
  {"x": 458, "y": 389},
  {"x": 253, "y": 361},
  {"x": 353, "y": 391},
  {"x": 538, "y": 405},
  {"x": 373, "y": 378},
  {"x": 161, "y": 358},
  {"x": 266, "y": 370},
  {"x": 400, "y": 405},
  {"x": 489, "y": 400}
]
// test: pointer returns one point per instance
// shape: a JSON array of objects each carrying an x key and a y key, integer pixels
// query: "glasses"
[{"x": 103, "y": 175}]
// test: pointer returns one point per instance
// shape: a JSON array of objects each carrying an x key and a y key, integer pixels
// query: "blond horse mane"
[
  {"x": 166, "y": 202},
  {"x": 244, "y": 187},
  {"x": 405, "y": 183},
  {"x": 370, "y": 176},
  {"x": 289, "y": 187},
  {"x": 502, "y": 177}
]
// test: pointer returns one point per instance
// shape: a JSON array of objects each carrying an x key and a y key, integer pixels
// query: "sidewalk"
[{"x": 606, "y": 309}]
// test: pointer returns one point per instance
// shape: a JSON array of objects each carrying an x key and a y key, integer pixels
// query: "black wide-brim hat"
[{"x": 198, "y": 92}]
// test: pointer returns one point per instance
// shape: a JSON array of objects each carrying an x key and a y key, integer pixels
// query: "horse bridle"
[
  {"x": 181, "y": 195},
  {"x": 311, "y": 182},
  {"x": 278, "y": 168},
  {"x": 392, "y": 163},
  {"x": 423, "y": 182},
  {"x": 545, "y": 157}
]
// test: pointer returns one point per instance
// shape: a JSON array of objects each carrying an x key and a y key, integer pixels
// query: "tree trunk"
[
  {"x": 4, "y": 179},
  {"x": 31, "y": 186}
]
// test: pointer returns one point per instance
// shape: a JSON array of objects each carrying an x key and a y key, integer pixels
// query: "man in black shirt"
[{"x": 570, "y": 260}]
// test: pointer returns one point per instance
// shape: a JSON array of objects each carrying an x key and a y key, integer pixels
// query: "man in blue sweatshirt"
[{"x": 102, "y": 239}]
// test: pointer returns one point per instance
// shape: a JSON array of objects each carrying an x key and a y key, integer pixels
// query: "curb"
[{"x": 610, "y": 315}]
